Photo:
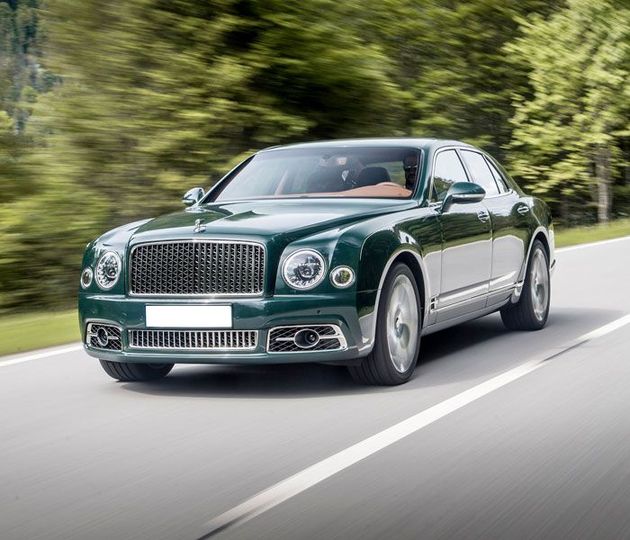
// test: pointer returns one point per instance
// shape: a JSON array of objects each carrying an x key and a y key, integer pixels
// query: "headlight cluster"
[
  {"x": 305, "y": 269},
  {"x": 108, "y": 269}
]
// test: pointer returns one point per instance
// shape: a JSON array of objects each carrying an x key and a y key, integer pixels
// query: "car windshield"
[{"x": 385, "y": 172}]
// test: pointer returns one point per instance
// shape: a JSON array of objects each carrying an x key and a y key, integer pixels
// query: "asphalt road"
[{"x": 545, "y": 456}]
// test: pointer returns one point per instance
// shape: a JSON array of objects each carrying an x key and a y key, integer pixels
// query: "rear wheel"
[
  {"x": 532, "y": 309},
  {"x": 130, "y": 372},
  {"x": 399, "y": 321}
]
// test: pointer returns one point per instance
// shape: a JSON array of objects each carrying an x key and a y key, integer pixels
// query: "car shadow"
[{"x": 471, "y": 350}]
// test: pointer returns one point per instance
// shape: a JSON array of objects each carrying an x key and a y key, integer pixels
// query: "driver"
[{"x": 410, "y": 165}]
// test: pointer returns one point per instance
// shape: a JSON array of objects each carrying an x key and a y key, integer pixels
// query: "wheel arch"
[
  {"x": 409, "y": 254},
  {"x": 542, "y": 234}
]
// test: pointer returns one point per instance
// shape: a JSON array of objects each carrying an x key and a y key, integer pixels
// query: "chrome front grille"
[
  {"x": 282, "y": 339},
  {"x": 194, "y": 340},
  {"x": 197, "y": 268}
]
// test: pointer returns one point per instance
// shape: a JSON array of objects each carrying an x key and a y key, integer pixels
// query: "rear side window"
[
  {"x": 448, "y": 170},
  {"x": 498, "y": 177},
  {"x": 482, "y": 174}
]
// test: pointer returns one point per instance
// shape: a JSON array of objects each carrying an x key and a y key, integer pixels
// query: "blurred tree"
[
  {"x": 449, "y": 59},
  {"x": 571, "y": 123},
  {"x": 155, "y": 96}
]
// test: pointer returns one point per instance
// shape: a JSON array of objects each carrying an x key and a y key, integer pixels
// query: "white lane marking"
[
  {"x": 592, "y": 244},
  {"x": 336, "y": 463},
  {"x": 38, "y": 356}
]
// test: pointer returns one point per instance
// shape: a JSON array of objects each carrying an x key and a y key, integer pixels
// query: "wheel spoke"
[{"x": 402, "y": 324}]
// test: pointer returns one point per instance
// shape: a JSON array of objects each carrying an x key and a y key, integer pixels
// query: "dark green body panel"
[{"x": 365, "y": 234}]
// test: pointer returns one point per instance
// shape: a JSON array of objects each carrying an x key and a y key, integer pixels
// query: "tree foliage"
[
  {"x": 571, "y": 125},
  {"x": 110, "y": 110}
]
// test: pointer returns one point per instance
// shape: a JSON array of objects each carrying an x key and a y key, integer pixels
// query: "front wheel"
[
  {"x": 130, "y": 372},
  {"x": 398, "y": 326},
  {"x": 532, "y": 309}
]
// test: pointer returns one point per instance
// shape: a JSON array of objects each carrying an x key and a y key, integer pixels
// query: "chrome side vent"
[
  {"x": 296, "y": 339},
  {"x": 103, "y": 336}
]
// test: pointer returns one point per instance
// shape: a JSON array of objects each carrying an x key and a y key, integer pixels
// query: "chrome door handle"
[
  {"x": 483, "y": 215},
  {"x": 522, "y": 210}
]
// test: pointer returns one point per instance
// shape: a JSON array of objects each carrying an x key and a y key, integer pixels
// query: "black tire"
[
  {"x": 526, "y": 313},
  {"x": 379, "y": 368},
  {"x": 130, "y": 372}
]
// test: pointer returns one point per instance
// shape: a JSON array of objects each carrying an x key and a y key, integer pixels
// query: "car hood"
[{"x": 272, "y": 220}]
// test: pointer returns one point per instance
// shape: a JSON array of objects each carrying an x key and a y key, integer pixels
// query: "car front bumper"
[{"x": 261, "y": 314}]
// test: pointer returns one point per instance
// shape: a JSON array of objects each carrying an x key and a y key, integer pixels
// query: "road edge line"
[{"x": 324, "y": 469}]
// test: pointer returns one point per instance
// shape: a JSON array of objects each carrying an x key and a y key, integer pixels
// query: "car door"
[
  {"x": 466, "y": 243},
  {"x": 507, "y": 239}
]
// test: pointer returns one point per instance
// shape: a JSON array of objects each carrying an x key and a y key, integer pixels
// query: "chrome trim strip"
[
  {"x": 337, "y": 335},
  {"x": 197, "y": 241}
]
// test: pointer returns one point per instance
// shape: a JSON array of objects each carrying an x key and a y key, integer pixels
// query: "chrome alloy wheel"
[
  {"x": 402, "y": 324},
  {"x": 539, "y": 283}
]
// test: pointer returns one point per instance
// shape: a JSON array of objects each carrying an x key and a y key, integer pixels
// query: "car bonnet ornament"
[{"x": 199, "y": 226}]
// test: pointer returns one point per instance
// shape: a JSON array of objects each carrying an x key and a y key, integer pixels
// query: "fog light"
[
  {"x": 306, "y": 339},
  {"x": 86, "y": 278},
  {"x": 342, "y": 277},
  {"x": 102, "y": 337}
]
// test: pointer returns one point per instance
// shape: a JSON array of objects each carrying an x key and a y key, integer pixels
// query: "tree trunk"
[{"x": 602, "y": 174}]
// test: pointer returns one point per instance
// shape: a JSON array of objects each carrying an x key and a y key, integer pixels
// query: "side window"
[
  {"x": 482, "y": 174},
  {"x": 498, "y": 177},
  {"x": 448, "y": 170}
]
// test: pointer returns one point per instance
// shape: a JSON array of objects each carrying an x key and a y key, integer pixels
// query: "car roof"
[{"x": 422, "y": 143}]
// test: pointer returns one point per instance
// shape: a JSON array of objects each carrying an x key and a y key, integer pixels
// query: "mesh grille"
[
  {"x": 207, "y": 340},
  {"x": 107, "y": 339},
  {"x": 197, "y": 268},
  {"x": 281, "y": 339}
]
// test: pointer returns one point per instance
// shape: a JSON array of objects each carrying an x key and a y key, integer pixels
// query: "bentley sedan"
[{"x": 340, "y": 252}]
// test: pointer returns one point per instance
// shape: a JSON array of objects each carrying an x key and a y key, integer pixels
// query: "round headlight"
[
  {"x": 342, "y": 276},
  {"x": 86, "y": 278},
  {"x": 108, "y": 270},
  {"x": 304, "y": 269}
]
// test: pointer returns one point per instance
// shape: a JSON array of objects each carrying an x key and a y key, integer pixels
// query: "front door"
[
  {"x": 507, "y": 216},
  {"x": 466, "y": 244}
]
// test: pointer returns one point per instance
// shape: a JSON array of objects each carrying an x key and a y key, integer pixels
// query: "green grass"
[
  {"x": 25, "y": 332},
  {"x": 593, "y": 233}
]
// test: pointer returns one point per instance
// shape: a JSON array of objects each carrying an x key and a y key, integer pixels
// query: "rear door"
[
  {"x": 507, "y": 241},
  {"x": 467, "y": 243}
]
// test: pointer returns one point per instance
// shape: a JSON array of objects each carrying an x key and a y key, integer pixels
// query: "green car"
[{"x": 341, "y": 252}]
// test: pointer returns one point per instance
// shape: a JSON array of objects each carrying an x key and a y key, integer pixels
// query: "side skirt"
[{"x": 436, "y": 327}]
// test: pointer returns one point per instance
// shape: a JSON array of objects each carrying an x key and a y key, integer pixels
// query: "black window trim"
[
  {"x": 506, "y": 184},
  {"x": 435, "y": 155},
  {"x": 487, "y": 158}
]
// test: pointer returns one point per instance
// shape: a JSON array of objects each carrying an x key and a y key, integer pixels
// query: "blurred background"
[{"x": 110, "y": 110}]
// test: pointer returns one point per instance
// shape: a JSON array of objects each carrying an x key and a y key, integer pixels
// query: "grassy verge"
[
  {"x": 25, "y": 332},
  {"x": 593, "y": 233}
]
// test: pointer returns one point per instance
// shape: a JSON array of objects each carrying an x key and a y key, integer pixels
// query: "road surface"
[{"x": 461, "y": 451}]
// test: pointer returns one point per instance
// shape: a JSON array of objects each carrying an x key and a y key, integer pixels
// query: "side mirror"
[
  {"x": 462, "y": 193},
  {"x": 193, "y": 196}
]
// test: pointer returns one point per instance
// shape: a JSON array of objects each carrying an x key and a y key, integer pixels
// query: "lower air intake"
[
  {"x": 194, "y": 340},
  {"x": 289, "y": 339}
]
